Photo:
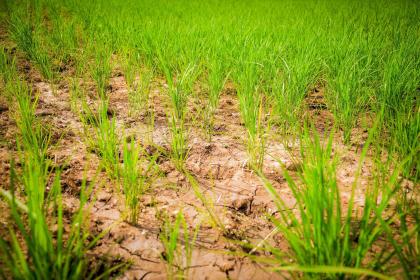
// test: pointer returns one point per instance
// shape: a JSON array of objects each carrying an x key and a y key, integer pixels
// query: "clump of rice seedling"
[
  {"x": 136, "y": 177},
  {"x": 288, "y": 85},
  {"x": 406, "y": 129},
  {"x": 398, "y": 99},
  {"x": 34, "y": 136},
  {"x": 179, "y": 143},
  {"x": 101, "y": 71},
  {"x": 22, "y": 32},
  {"x": 178, "y": 243},
  {"x": 216, "y": 79},
  {"x": 252, "y": 107},
  {"x": 139, "y": 93},
  {"x": 324, "y": 242},
  {"x": 179, "y": 91},
  {"x": 133, "y": 185},
  {"x": 348, "y": 90},
  {"x": 130, "y": 68},
  {"x": 7, "y": 66},
  {"x": 407, "y": 249},
  {"x": 104, "y": 140},
  {"x": 402, "y": 228},
  {"x": 76, "y": 94},
  {"x": 107, "y": 141},
  {"x": 45, "y": 253}
]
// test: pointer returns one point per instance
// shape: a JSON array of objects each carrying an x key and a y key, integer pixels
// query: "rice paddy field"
[{"x": 218, "y": 139}]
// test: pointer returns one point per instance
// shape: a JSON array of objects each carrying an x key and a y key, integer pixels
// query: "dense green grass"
[
  {"x": 363, "y": 56},
  {"x": 321, "y": 232}
]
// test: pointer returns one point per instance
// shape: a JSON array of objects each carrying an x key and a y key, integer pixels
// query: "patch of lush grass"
[{"x": 326, "y": 239}]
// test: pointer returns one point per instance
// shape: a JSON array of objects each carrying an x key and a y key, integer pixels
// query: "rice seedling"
[
  {"x": 139, "y": 94},
  {"x": 408, "y": 249},
  {"x": 133, "y": 185},
  {"x": 35, "y": 136},
  {"x": 101, "y": 136},
  {"x": 216, "y": 79},
  {"x": 76, "y": 94},
  {"x": 34, "y": 250},
  {"x": 405, "y": 130},
  {"x": 101, "y": 71},
  {"x": 62, "y": 43},
  {"x": 27, "y": 39},
  {"x": 130, "y": 68},
  {"x": 397, "y": 98},
  {"x": 7, "y": 66},
  {"x": 326, "y": 240},
  {"x": 402, "y": 235},
  {"x": 253, "y": 110},
  {"x": 178, "y": 92},
  {"x": 107, "y": 141},
  {"x": 350, "y": 91},
  {"x": 179, "y": 143},
  {"x": 136, "y": 177},
  {"x": 400, "y": 231},
  {"x": 178, "y": 243}
]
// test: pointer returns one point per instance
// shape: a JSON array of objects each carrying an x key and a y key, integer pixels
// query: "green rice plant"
[
  {"x": 130, "y": 68},
  {"x": 133, "y": 183},
  {"x": 88, "y": 117},
  {"x": 101, "y": 136},
  {"x": 107, "y": 141},
  {"x": 365, "y": 53},
  {"x": 101, "y": 70},
  {"x": 139, "y": 94},
  {"x": 402, "y": 231},
  {"x": 398, "y": 99},
  {"x": 252, "y": 108},
  {"x": 402, "y": 228},
  {"x": 9, "y": 75},
  {"x": 22, "y": 32},
  {"x": 33, "y": 249},
  {"x": 325, "y": 240},
  {"x": 408, "y": 249},
  {"x": 348, "y": 89},
  {"x": 76, "y": 94},
  {"x": 62, "y": 40},
  {"x": 35, "y": 136},
  {"x": 136, "y": 177},
  {"x": 404, "y": 142},
  {"x": 290, "y": 81},
  {"x": 179, "y": 143},
  {"x": 39, "y": 256},
  {"x": 178, "y": 243},
  {"x": 7, "y": 66},
  {"x": 216, "y": 79},
  {"x": 179, "y": 91}
]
